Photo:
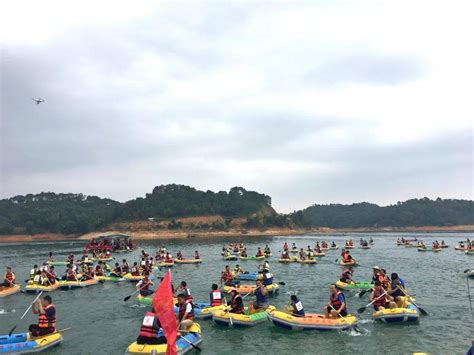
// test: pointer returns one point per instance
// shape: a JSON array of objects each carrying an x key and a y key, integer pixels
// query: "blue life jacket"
[{"x": 261, "y": 299}]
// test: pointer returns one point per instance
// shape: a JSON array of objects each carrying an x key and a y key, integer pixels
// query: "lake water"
[{"x": 103, "y": 324}]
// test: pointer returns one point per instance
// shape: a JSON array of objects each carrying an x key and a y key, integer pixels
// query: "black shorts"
[
  {"x": 342, "y": 313},
  {"x": 37, "y": 331},
  {"x": 151, "y": 341}
]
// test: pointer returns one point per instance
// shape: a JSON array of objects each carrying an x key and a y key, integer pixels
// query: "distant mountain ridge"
[{"x": 167, "y": 205}]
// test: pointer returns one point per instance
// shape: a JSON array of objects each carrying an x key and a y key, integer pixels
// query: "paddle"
[
  {"x": 363, "y": 292},
  {"x": 191, "y": 343},
  {"x": 422, "y": 311},
  {"x": 231, "y": 322},
  {"x": 362, "y": 309},
  {"x": 467, "y": 270},
  {"x": 344, "y": 319},
  {"x": 27, "y": 310},
  {"x": 129, "y": 296}
]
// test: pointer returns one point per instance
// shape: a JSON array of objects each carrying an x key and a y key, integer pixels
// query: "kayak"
[
  {"x": 262, "y": 257},
  {"x": 250, "y": 276},
  {"x": 469, "y": 252},
  {"x": 133, "y": 278},
  {"x": 67, "y": 285},
  {"x": 23, "y": 343},
  {"x": 188, "y": 261},
  {"x": 334, "y": 248},
  {"x": 294, "y": 251},
  {"x": 349, "y": 247},
  {"x": 353, "y": 262},
  {"x": 193, "y": 335},
  {"x": 230, "y": 257},
  {"x": 364, "y": 247},
  {"x": 429, "y": 249},
  {"x": 57, "y": 263},
  {"x": 267, "y": 255},
  {"x": 397, "y": 315},
  {"x": 310, "y": 321},
  {"x": 163, "y": 264},
  {"x": 35, "y": 288},
  {"x": 7, "y": 291},
  {"x": 470, "y": 273},
  {"x": 460, "y": 248},
  {"x": 292, "y": 259},
  {"x": 240, "y": 320},
  {"x": 307, "y": 261},
  {"x": 354, "y": 286},
  {"x": 110, "y": 278},
  {"x": 246, "y": 289}
]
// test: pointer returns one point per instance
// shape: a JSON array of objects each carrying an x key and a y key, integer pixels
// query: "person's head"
[
  {"x": 293, "y": 298},
  {"x": 117, "y": 264},
  {"x": 377, "y": 284},
  {"x": 227, "y": 267},
  {"x": 214, "y": 287},
  {"x": 376, "y": 269},
  {"x": 394, "y": 276},
  {"x": 35, "y": 266},
  {"x": 258, "y": 283},
  {"x": 333, "y": 289},
  {"x": 181, "y": 298},
  {"x": 237, "y": 266},
  {"x": 46, "y": 300},
  {"x": 135, "y": 263},
  {"x": 383, "y": 272},
  {"x": 183, "y": 284},
  {"x": 124, "y": 261},
  {"x": 52, "y": 268}
]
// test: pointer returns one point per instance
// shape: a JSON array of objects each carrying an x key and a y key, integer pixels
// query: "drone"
[{"x": 38, "y": 100}]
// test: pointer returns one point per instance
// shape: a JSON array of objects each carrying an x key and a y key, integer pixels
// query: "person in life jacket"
[
  {"x": 285, "y": 255},
  {"x": 33, "y": 271},
  {"x": 238, "y": 270},
  {"x": 337, "y": 303},
  {"x": 36, "y": 279},
  {"x": 168, "y": 258},
  {"x": 196, "y": 255},
  {"x": 285, "y": 246},
  {"x": 236, "y": 302},
  {"x": 51, "y": 274},
  {"x": 215, "y": 296},
  {"x": 70, "y": 258},
  {"x": 384, "y": 279},
  {"x": 267, "y": 250},
  {"x": 50, "y": 257},
  {"x": 47, "y": 317},
  {"x": 99, "y": 271},
  {"x": 267, "y": 277},
  {"x": 179, "y": 255},
  {"x": 294, "y": 247},
  {"x": 243, "y": 253},
  {"x": 9, "y": 278},
  {"x": 227, "y": 278},
  {"x": 296, "y": 306},
  {"x": 117, "y": 272},
  {"x": 324, "y": 244},
  {"x": 88, "y": 275},
  {"x": 375, "y": 273},
  {"x": 144, "y": 287},
  {"x": 261, "y": 298},
  {"x": 70, "y": 274},
  {"x": 125, "y": 266},
  {"x": 149, "y": 329},
  {"x": 380, "y": 298},
  {"x": 333, "y": 245},
  {"x": 346, "y": 275},
  {"x": 302, "y": 254},
  {"x": 397, "y": 289},
  {"x": 346, "y": 256},
  {"x": 259, "y": 252},
  {"x": 185, "y": 313},
  {"x": 134, "y": 270},
  {"x": 183, "y": 289}
]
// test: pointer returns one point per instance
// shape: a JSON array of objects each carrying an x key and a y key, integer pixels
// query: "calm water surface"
[{"x": 103, "y": 324}]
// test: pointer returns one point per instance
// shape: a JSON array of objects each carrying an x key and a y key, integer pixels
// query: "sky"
[{"x": 308, "y": 102}]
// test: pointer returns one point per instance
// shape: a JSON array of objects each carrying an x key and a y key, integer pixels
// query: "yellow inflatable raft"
[
  {"x": 7, "y": 291},
  {"x": 307, "y": 261},
  {"x": 187, "y": 261},
  {"x": 246, "y": 289},
  {"x": 35, "y": 288},
  {"x": 133, "y": 278},
  {"x": 310, "y": 321}
]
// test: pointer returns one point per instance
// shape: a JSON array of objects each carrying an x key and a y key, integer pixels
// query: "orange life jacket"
[{"x": 44, "y": 321}]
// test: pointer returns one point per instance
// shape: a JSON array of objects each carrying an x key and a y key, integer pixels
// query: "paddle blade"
[
  {"x": 282, "y": 283},
  {"x": 127, "y": 298},
  {"x": 422, "y": 311},
  {"x": 361, "y": 310},
  {"x": 363, "y": 292},
  {"x": 11, "y": 331}
]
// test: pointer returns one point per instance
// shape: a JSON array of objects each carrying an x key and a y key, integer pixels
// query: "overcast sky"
[{"x": 308, "y": 102}]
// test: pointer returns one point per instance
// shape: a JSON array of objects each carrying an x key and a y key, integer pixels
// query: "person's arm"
[
  {"x": 40, "y": 307},
  {"x": 34, "y": 308},
  {"x": 264, "y": 291},
  {"x": 138, "y": 285}
]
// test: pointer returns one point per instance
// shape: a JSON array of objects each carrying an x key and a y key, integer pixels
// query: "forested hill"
[
  {"x": 415, "y": 212},
  {"x": 77, "y": 213}
]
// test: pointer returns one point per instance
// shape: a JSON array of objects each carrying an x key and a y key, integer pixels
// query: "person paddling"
[
  {"x": 9, "y": 278},
  {"x": 149, "y": 329},
  {"x": 47, "y": 317},
  {"x": 236, "y": 302},
  {"x": 261, "y": 295},
  {"x": 337, "y": 303},
  {"x": 380, "y": 298},
  {"x": 185, "y": 313},
  {"x": 296, "y": 306},
  {"x": 346, "y": 275},
  {"x": 144, "y": 286}
]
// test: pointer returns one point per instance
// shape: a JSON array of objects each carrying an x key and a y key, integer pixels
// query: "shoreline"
[{"x": 232, "y": 233}]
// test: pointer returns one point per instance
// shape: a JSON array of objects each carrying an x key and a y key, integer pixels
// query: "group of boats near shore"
[{"x": 406, "y": 310}]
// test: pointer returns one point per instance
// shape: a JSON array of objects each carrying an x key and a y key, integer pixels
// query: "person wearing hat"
[
  {"x": 267, "y": 276},
  {"x": 375, "y": 273},
  {"x": 236, "y": 302},
  {"x": 185, "y": 312}
]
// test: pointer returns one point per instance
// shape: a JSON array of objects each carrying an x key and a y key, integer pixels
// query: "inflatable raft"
[
  {"x": 460, "y": 248},
  {"x": 23, "y": 343},
  {"x": 7, "y": 291},
  {"x": 353, "y": 262},
  {"x": 57, "y": 263},
  {"x": 429, "y": 249},
  {"x": 133, "y": 278},
  {"x": 188, "y": 261},
  {"x": 292, "y": 259},
  {"x": 67, "y": 285},
  {"x": 470, "y": 273},
  {"x": 230, "y": 257},
  {"x": 469, "y": 252},
  {"x": 354, "y": 286},
  {"x": 110, "y": 278},
  {"x": 349, "y": 247},
  {"x": 193, "y": 335},
  {"x": 334, "y": 248},
  {"x": 223, "y": 317},
  {"x": 307, "y": 261},
  {"x": 246, "y": 289},
  {"x": 250, "y": 276},
  {"x": 262, "y": 257},
  {"x": 163, "y": 264},
  {"x": 201, "y": 310},
  {"x": 398, "y": 315},
  {"x": 35, "y": 288},
  {"x": 102, "y": 259},
  {"x": 310, "y": 321}
]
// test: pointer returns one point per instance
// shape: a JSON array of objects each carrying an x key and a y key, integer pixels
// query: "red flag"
[{"x": 163, "y": 306}]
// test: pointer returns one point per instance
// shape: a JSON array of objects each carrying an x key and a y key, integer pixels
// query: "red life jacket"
[
  {"x": 71, "y": 276},
  {"x": 149, "y": 327},
  {"x": 233, "y": 304},
  {"x": 135, "y": 271},
  {"x": 379, "y": 301},
  {"x": 145, "y": 285},
  {"x": 346, "y": 274},
  {"x": 44, "y": 321},
  {"x": 384, "y": 281},
  {"x": 9, "y": 276},
  {"x": 227, "y": 276},
  {"x": 216, "y": 298},
  {"x": 345, "y": 257},
  {"x": 335, "y": 301},
  {"x": 182, "y": 311}
]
